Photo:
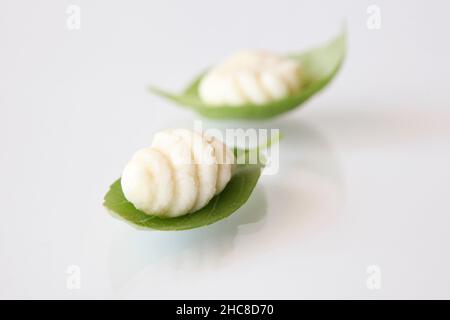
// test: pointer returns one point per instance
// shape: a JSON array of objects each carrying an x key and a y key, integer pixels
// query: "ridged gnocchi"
[
  {"x": 250, "y": 77},
  {"x": 179, "y": 173}
]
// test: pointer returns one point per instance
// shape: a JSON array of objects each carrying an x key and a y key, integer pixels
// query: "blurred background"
[{"x": 359, "y": 209}]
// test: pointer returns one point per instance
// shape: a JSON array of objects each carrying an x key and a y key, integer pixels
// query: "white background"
[{"x": 364, "y": 177}]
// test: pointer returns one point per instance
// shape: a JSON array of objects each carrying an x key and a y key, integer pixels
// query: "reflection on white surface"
[{"x": 173, "y": 252}]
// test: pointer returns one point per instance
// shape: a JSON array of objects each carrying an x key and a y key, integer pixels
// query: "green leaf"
[
  {"x": 235, "y": 194},
  {"x": 320, "y": 65}
]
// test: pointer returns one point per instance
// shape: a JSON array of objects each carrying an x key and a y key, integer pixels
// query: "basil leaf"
[
  {"x": 235, "y": 194},
  {"x": 320, "y": 65}
]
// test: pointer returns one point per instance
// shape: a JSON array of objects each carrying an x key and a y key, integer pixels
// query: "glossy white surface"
[{"x": 364, "y": 177}]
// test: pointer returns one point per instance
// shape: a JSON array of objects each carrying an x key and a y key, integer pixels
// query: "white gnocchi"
[
  {"x": 179, "y": 173},
  {"x": 250, "y": 77}
]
